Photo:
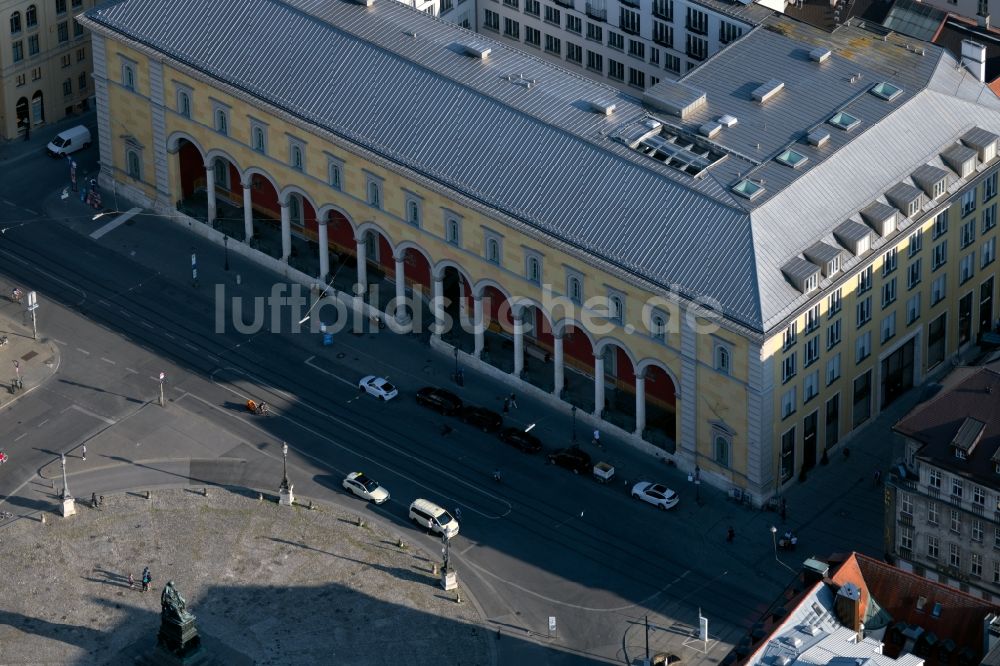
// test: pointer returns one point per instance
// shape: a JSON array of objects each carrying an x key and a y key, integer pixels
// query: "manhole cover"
[
  {"x": 341, "y": 354},
  {"x": 30, "y": 355}
]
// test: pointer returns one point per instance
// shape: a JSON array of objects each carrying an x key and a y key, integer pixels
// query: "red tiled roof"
[
  {"x": 994, "y": 85},
  {"x": 897, "y": 591}
]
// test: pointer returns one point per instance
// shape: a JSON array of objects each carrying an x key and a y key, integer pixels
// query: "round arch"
[
  {"x": 400, "y": 250},
  {"x": 174, "y": 141},
  {"x": 216, "y": 152},
  {"x": 295, "y": 189},
  {"x": 439, "y": 268},
  {"x": 560, "y": 329},
  {"x": 610, "y": 340},
  {"x": 324, "y": 211},
  {"x": 362, "y": 230},
  {"x": 479, "y": 287},
  {"x": 649, "y": 362},
  {"x": 257, "y": 171}
]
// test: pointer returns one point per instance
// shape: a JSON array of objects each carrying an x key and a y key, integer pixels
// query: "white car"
[
  {"x": 656, "y": 494},
  {"x": 366, "y": 488},
  {"x": 378, "y": 387}
]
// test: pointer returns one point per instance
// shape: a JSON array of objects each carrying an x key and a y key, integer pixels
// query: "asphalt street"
[{"x": 543, "y": 543}]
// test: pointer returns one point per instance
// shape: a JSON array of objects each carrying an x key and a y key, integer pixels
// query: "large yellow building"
[
  {"x": 44, "y": 63},
  {"x": 752, "y": 261}
]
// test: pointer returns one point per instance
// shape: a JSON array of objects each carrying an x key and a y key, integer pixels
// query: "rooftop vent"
[
  {"x": 521, "y": 80},
  {"x": 767, "y": 91},
  {"x": 676, "y": 98},
  {"x": 479, "y": 51},
  {"x": 603, "y": 107},
  {"x": 688, "y": 153},
  {"x": 710, "y": 129},
  {"x": 365, "y": 3},
  {"x": 728, "y": 120},
  {"x": 818, "y": 137},
  {"x": 819, "y": 54}
]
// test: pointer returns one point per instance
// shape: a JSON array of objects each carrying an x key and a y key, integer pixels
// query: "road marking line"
[
  {"x": 115, "y": 223},
  {"x": 59, "y": 342},
  {"x": 43, "y": 423},
  {"x": 20, "y": 436},
  {"x": 169, "y": 335},
  {"x": 124, "y": 313},
  {"x": 13, "y": 257},
  {"x": 309, "y": 362},
  {"x": 108, "y": 360},
  {"x": 147, "y": 324},
  {"x": 134, "y": 372},
  {"x": 83, "y": 351},
  {"x": 93, "y": 415},
  {"x": 103, "y": 302},
  {"x": 190, "y": 346},
  {"x": 31, "y": 211},
  {"x": 8, "y": 202}
]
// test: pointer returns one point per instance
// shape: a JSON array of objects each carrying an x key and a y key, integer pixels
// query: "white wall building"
[{"x": 459, "y": 12}]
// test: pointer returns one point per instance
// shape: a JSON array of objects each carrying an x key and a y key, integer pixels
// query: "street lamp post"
[
  {"x": 774, "y": 543},
  {"x": 285, "y": 495},
  {"x": 68, "y": 503},
  {"x": 225, "y": 244}
]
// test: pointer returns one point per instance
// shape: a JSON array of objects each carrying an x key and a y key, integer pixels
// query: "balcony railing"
[
  {"x": 906, "y": 519},
  {"x": 596, "y": 11}
]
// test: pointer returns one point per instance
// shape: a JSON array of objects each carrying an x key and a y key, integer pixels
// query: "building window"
[
  {"x": 834, "y": 302},
  {"x": 511, "y": 3},
  {"x": 374, "y": 189},
  {"x": 788, "y": 367},
  {"x": 184, "y": 103},
  {"x": 790, "y": 335},
  {"x": 511, "y": 28},
  {"x": 697, "y": 47},
  {"x": 15, "y": 23},
  {"x": 968, "y": 233},
  {"x": 628, "y": 20},
  {"x": 956, "y": 521},
  {"x": 889, "y": 262},
  {"x": 82, "y": 82},
  {"x": 221, "y": 121},
  {"x": 60, "y": 6},
  {"x": 63, "y": 31},
  {"x": 913, "y": 274},
  {"x": 968, "y": 202},
  {"x": 913, "y": 308},
  {"x": 789, "y": 402},
  {"x": 128, "y": 76},
  {"x": 697, "y": 21},
  {"x": 664, "y": 9},
  {"x": 671, "y": 63},
  {"x": 989, "y": 253},
  {"x": 863, "y": 347},
  {"x": 658, "y": 326},
  {"x": 723, "y": 358},
  {"x": 33, "y": 47},
  {"x": 932, "y": 512},
  {"x": 938, "y": 289},
  {"x": 955, "y": 555},
  {"x": 888, "y": 327},
  {"x": 990, "y": 184},
  {"x": 940, "y": 256},
  {"x": 934, "y": 478},
  {"x": 573, "y": 23},
  {"x": 810, "y": 387},
  {"x": 864, "y": 311},
  {"x": 595, "y": 62},
  {"x": 723, "y": 444},
  {"x": 862, "y": 398},
  {"x": 940, "y": 225},
  {"x": 553, "y": 15},
  {"x": 616, "y": 308},
  {"x": 906, "y": 538},
  {"x": 932, "y": 547},
  {"x": 906, "y": 503},
  {"x": 889, "y": 292},
  {"x": 553, "y": 45},
  {"x": 916, "y": 243},
  {"x": 134, "y": 164},
  {"x": 18, "y": 50},
  {"x": 833, "y": 369},
  {"x": 787, "y": 455},
  {"x": 729, "y": 32},
  {"x": 259, "y": 133},
  {"x": 65, "y": 60},
  {"x": 977, "y": 531},
  {"x": 976, "y": 568},
  {"x": 491, "y": 20},
  {"x": 811, "y": 351},
  {"x": 616, "y": 41},
  {"x": 637, "y": 49},
  {"x": 616, "y": 70},
  {"x": 574, "y": 53},
  {"x": 453, "y": 231},
  {"x": 595, "y": 32},
  {"x": 77, "y": 29},
  {"x": 636, "y": 78},
  {"x": 966, "y": 268},
  {"x": 67, "y": 87},
  {"x": 296, "y": 155},
  {"x": 812, "y": 318},
  {"x": 865, "y": 280},
  {"x": 494, "y": 249},
  {"x": 413, "y": 212},
  {"x": 533, "y": 268},
  {"x": 31, "y": 16},
  {"x": 663, "y": 34},
  {"x": 574, "y": 287},
  {"x": 989, "y": 216},
  {"x": 532, "y": 37}
]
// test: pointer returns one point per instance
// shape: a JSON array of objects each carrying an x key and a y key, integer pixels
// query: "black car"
[
  {"x": 574, "y": 459},
  {"x": 479, "y": 417},
  {"x": 443, "y": 401},
  {"x": 522, "y": 440}
]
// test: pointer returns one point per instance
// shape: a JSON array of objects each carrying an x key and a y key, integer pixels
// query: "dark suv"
[
  {"x": 573, "y": 458},
  {"x": 479, "y": 417},
  {"x": 443, "y": 401},
  {"x": 522, "y": 440}
]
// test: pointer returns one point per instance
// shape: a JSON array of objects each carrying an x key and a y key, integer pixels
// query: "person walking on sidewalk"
[
  {"x": 597, "y": 438},
  {"x": 878, "y": 478},
  {"x": 131, "y": 582},
  {"x": 85, "y": 452},
  {"x": 730, "y": 534},
  {"x": 513, "y": 400}
]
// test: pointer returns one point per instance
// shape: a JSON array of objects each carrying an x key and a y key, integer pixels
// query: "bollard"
[
  {"x": 204, "y": 492},
  {"x": 434, "y": 569},
  {"x": 311, "y": 507},
  {"x": 260, "y": 497},
  {"x": 361, "y": 522},
  {"x": 400, "y": 544},
  {"x": 458, "y": 596},
  {"x": 149, "y": 495},
  {"x": 43, "y": 519}
]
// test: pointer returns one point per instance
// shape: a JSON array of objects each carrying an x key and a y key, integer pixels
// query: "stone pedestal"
[
  {"x": 286, "y": 496},
  {"x": 449, "y": 579},
  {"x": 68, "y": 507}
]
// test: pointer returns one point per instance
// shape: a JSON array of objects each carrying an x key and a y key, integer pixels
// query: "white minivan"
[
  {"x": 429, "y": 515},
  {"x": 69, "y": 141}
]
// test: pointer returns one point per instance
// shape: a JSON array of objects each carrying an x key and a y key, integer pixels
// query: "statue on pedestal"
[
  {"x": 178, "y": 636},
  {"x": 174, "y": 605}
]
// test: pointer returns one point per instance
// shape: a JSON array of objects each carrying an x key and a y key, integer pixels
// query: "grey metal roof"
[
  {"x": 902, "y": 195},
  {"x": 798, "y": 269},
  {"x": 956, "y": 155},
  {"x": 397, "y": 83},
  {"x": 977, "y": 137},
  {"x": 875, "y": 214},
  {"x": 851, "y": 232},
  {"x": 821, "y": 253},
  {"x": 928, "y": 175},
  {"x": 914, "y": 18}
]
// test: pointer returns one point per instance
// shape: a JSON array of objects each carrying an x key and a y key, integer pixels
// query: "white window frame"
[
  {"x": 413, "y": 209},
  {"x": 533, "y": 266},
  {"x": 889, "y": 327},
  {"x": 988, "y": 253},
  {"x": 297, "y": 154},
  {"x": 130, "y": 76},
  {"x": 722, "y": 356},
  {"x": 493, "y": 241},
  {"x": 258, "y": 128},
  {"x": 575, "y": 277},
  {"x": 335, "y": 172},
  {"x": 833, "y": 369},
  {"x": 617, "y": 305},
  {"x": 939, "y": 289},
  {"x": 863, "y": 347},
  {"x": 789, "y": 402},
  {"x": 452, "y": 228},
  {"x": 220, "y": 117},
  {"x": 913, "y": 308},
  {"x": 184, "y": 94},
  {"x": 810, "y": 386},
  {"x": 373, "y": 191}
]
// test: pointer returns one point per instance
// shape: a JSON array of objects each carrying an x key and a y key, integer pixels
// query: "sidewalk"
[
  {"x": 34, "y": 361},
  {"x": 16, "y": 149}
]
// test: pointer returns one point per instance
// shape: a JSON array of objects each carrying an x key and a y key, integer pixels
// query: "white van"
[
  {"x": 429, "y": 515},
  {"x": 69, "y": 141}
]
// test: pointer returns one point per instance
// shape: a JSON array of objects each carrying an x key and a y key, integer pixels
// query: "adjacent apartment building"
[
  {"x": 740, "y": 269},
  {"x": 629, "y": 43},
  {"x": 45, "y": 63},
  {"x": 943, "y": 521}
]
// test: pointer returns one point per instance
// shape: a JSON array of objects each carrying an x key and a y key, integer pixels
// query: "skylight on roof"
[
  {"x": 886, "y": 91},
  {"x": 747, "y": 189},
  {"x": 844, "y": 120},
  {"x": 688, "y": 154},
  {"x": 792, "y": 158}
]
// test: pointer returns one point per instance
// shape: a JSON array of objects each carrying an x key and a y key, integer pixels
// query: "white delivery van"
[
  {"x": 69, "y": 141},
  {"x": 429, "y": 515}
]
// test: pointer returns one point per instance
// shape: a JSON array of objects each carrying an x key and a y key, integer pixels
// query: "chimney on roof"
[
  {"x": 974, "y": 59},
  {"x": 848, "y": 606}
]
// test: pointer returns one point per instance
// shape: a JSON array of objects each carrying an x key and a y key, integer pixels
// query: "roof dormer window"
[
  {"x": 886, "y": 91},
  {"x": 845, "y": 121}
]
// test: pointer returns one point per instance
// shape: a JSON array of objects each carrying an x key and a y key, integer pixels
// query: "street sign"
[
  {"x": 32, "y": 300},
  {"x": 552, "y": 623},
  {"x": 702, "y": 628},
  {"x": 163, "y": 376}
]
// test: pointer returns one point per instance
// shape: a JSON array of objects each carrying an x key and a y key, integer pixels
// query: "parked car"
[
  {"x": 522, "y": 440},
  {"x": 656, "y": 494},
  {"x": 440, "y": 399},
  {"x": 573, "y": 458},
  {"x": 366, "y": 488},
  {"x": 429, "y": 515},
  {"x": 378, "y": 387},
  {"x": 479, "y": 417},
  {"x": 69, "y": 141}
]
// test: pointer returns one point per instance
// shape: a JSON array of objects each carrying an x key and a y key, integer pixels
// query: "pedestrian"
[
  {"x": 513, "y": 400},
  {"x": 93, "y": 500},
  {"x": 597, "y": 438},
  {"x": 730, "y": 534},
  {"x": 458, "y": 513},
  {"x": 506, "y": 405},
  {"x": 131, "y": 582},
  {"x": 84, "y": 451},
  {"x": 878, "y": 478},
  {"x": 147, "y": 578}
]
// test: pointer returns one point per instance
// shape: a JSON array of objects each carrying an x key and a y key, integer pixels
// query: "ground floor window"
[
  {"x": 787, "y": 455},
  {"x": 965, "y": 319},
  {"x": 832, "y": 421},
  {"x": 862, "y": 398},
  {"x": 935, "y": 340}
]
